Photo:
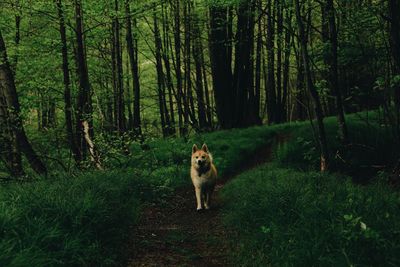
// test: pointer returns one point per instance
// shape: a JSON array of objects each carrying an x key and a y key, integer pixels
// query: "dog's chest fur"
[{"x": 202, "y": 176}]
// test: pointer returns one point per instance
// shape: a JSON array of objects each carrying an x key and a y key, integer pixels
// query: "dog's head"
[{"x": 201, "y": 158}]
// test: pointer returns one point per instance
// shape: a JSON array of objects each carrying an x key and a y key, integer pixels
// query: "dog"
[{"x": 204, "y": 176}]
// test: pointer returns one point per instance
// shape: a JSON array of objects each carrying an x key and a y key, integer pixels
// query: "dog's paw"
[
  {"x": 199, "y": 209},
  {"x": 207, "y": 207}
]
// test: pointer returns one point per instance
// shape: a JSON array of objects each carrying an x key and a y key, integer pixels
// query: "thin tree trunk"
[
  {"x": 258, "y": 71},
  {"x": 160, "y": 77},
  {"x": 271, "y": 87},
  {"x": 333, "y": 72},
  {"x": 168, "y": 75},
  {"x": 179, "y": 93},
  {"x": 279, "y": 38},
  {"x": 197, "y": 50},
  {"x": 134, "y": 63},
  {"x": 286, "y": 65},
  {"x": 119, "y": 93},
  {"x": 19, "y": 139},
  {"x": 311, "y": 88},
  {"x": 84, "y": 102}
]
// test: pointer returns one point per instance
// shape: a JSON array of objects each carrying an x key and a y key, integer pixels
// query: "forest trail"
[{"x": 175, "y": 234}]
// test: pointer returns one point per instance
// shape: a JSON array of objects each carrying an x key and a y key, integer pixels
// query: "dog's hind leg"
[{"x": 198, "y": 197}]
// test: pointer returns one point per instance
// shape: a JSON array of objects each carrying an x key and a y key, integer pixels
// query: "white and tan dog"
[{"x": 204, "y": 176}]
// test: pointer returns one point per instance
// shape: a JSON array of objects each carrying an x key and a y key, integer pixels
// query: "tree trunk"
[
  {"x": 220, "y": 56},
  {"x": 271, "y": 103},
  {"x": 84, "y": 102},
  {"x": 134, "y": 63},
  {"x": 8, "y": 93},
  {"x": 119, "y": 88},
  {"x": 311, "y": 88},
  {"x": 197, "y": 51},
  {"x": 243, "y": 71},
  {"x": 179, "y": 94},
  {"x": 286, "y": 65},
  {"x": 333, "y": 71},
  {"x": 160, "y": 77},
  {"x": 279, "y": 29},
  {"x": 166, "y": 58}
]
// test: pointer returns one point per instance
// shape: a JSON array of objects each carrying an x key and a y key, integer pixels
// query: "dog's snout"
[{"x": 199, "y": 161}]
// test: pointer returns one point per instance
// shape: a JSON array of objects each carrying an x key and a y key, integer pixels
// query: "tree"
[
  {"x": 221, "y": 69},
  {"x": 10, "y": 115},
  {"x": 67, "y": 90},
  {"x": 132, "y": 47},
  {"x": 333, "y": 71},
  {"x": 84, "y": 120},
  {"x": 311, "y": 88},
  {"x": 245, "y": 112}
]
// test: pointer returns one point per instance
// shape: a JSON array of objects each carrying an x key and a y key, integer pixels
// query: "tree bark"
[
  {"x": 243, "y": 70},
  {"x": 19, "y": 139},
  {"x": 311, "y": 88},
  {"x": 179, "y": 94},
  {"x": 333, "y": 71},
  {"x": 134, "y": 63},
  {"x": 271, "y": 102},
  {"x": 160, "y": 78},
  {"x": 197, "y": 55},
  {"x": 221, "y": 70},
  {"x": 119, "y": 88},
  {"x": 84, "y": 102}
]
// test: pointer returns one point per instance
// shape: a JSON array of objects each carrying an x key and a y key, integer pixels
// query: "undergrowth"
[
  {"x": 287, "y": 214},
  {"x": 84, "y": 220},
  {"x": 285, "y": 217}
]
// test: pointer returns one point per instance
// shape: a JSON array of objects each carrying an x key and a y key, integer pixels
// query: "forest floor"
[{"x": 175, "y": 234}]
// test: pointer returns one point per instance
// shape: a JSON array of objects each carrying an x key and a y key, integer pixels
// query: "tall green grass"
[
  {"x": 68, "y": 221},
  {"x": 287, "y": 214},
  {"x": 285, "y": 217},
  {"x": 85, "y": 220}
]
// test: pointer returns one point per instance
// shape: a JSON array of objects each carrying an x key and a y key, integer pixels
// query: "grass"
[
  {"x": 285, "y": 217},
  {"x": 287, "y": 214},
  {"x": 68, "y": 221},
  {"x": 85, "y": 220},
  {"x": 284, "y": 213}
]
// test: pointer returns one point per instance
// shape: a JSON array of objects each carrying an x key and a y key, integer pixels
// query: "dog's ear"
[
  {"x": 204, "y": 148},
  {"x": 194, "y": 148}
]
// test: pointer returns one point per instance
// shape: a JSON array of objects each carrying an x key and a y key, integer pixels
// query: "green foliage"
[
  {"x": 287, "y": 214},
  {"x": 84, "y": 220},
  {"x": 371, "y": 144},
  {"x": 69, "y": 221},
  {"x": 285, "y": 217}
]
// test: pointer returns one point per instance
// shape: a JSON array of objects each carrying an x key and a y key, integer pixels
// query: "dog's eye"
[
  {"x": 203, "y": 157},
  {"x": 197, "y": 157}
]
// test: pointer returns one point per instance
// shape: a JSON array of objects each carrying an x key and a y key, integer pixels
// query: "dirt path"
[{"x": 177, "y": 235}]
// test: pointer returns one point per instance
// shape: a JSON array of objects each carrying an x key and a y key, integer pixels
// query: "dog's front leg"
[
  {"x": 198, "y": 197},
  {"x": 207, "y": 201}
]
